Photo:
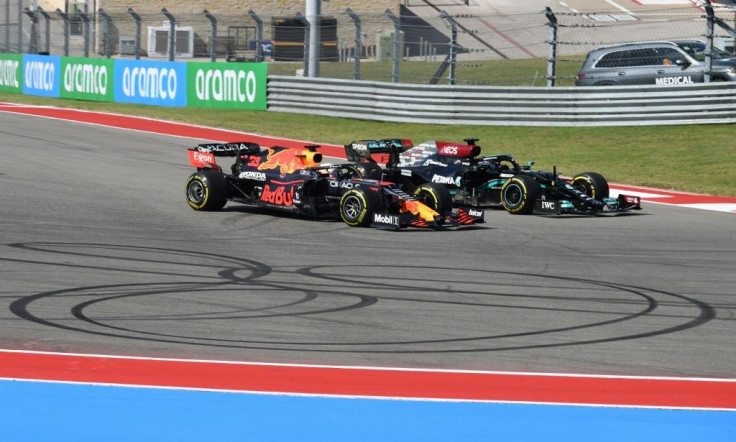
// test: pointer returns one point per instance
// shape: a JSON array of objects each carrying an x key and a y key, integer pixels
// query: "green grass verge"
[
  {"x": 524, "y": 72},
  {"x": 694, "y": 158}
]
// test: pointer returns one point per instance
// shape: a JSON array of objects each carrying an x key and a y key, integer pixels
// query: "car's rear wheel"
[
  {"x": 435, "y": 196},
  {"x": 207, "y": 190},
  {"x": 519, "y": 194},
  {"x": 357, "y": 207},
  {"x": 592, "y": 184}
]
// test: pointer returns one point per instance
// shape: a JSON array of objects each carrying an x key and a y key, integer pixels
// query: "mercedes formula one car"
[
  {"x": 295, "y": 181},
  {"x": 486, "y": 181}
]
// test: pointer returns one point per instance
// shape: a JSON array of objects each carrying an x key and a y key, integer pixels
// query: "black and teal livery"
[{"x": 489, "y": 180}]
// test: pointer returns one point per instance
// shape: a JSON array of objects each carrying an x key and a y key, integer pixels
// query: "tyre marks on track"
[{"x": 560, "y": 311}]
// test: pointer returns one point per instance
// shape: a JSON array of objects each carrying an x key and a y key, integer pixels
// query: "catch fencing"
[
  {"x": 420, "y": 42},
  {"x": 424, "y": 65}
]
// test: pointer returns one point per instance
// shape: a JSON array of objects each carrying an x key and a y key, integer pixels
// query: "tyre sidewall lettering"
[
  {"x": 364, "y": 209},
  {"x": 205, "y": 189},
  {"x": 589, "y": 185},
  {"x": 432, "y": 193},
  {"x": 523, "y": 195},
  {"x": 365, "y": 206}
]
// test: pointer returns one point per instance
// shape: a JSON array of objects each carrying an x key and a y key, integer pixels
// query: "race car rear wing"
[
  {"x": 376, "y": 151},
  {"x": 387, "y": 150},
  {"x": 203, "y": 155},
  {"x": 229, "y": 149},
  {"x": 367, "y": 147}
]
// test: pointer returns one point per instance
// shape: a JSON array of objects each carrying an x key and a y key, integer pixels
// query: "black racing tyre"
[
  {"x": 371, "y": 171},
  {"x": 357, "y": 207},
  {"x": 592, "y": 184},
  {"x": 207, "y": 190},
  {"x": 519, "y": 194},
  {"x": 436, "y": 196}
]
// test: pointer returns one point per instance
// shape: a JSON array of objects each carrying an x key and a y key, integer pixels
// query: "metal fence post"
[
  {"x": 358, "y": 43},
  {"x": 85, "y": 24},
  {"x": 259, "y": 35},
  {"x": 137, "y": 19},
  {"x": 64, "y": 16},
  {"x": 305, "y": 22},
  {"x": 397, "y": 45},
  {"x": 47, "y": 29},
  {"x": 20, "y": 26},
  {"x": 710, "y": 22},
  {"x": 723, "y": 25},
  {"x": 33, "y": 41},
  {"x": 106, "y": 31},
  {"x": 213, "y": 37},
  {"x": 6, "y": 46},
  {"x": 314, "y": 17},
  {"x": 172, "y": 33},
  {"x": 552, "y": 56},
  {"x": 453, "y": 47}
]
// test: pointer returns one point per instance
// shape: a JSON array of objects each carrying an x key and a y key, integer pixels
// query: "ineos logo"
[{"x": 449, "y": 150}]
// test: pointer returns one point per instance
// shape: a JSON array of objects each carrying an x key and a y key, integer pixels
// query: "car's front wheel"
[
  {"x": 592, "y": 184},
  {"x": 357, "y": 207},
  {"x": 435, "y": 196}
]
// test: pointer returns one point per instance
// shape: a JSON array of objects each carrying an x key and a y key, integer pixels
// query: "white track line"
[{"x": 616, "y": 5}]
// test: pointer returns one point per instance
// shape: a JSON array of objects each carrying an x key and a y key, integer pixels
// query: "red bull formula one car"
[{"x": 295, "y": 181}]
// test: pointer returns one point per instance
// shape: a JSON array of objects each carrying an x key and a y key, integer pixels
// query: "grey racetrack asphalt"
[{"x": 99, "y": 253}]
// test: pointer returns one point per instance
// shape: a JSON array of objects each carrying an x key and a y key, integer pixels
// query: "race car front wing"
[
  {"x": 624, "y": 203},
  {"x": 457, "y": 218}
]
